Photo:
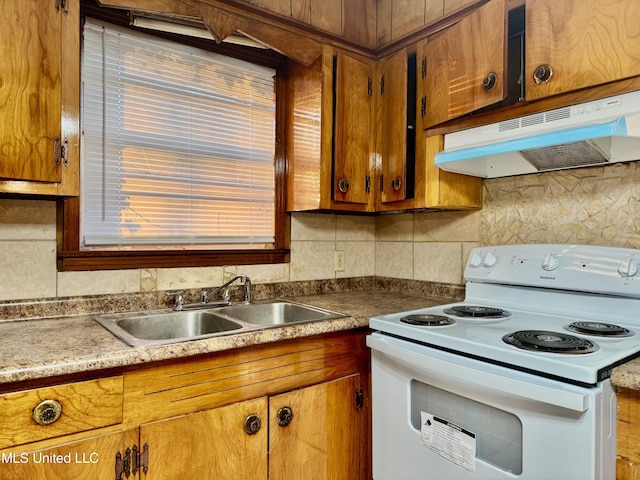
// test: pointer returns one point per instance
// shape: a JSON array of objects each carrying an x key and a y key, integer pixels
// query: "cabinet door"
[
  {"x": 466, "y": 64},
  {"x": 392, "y": 127},
  {"x": 30, "y": 90},
  {"x": 93, "y": 458},
  {"x": 583, "y": 42},
  {"x": 352, "y": 129},
  {"x": 323, "y": 437},
  {"x": 209, "y": 444}
]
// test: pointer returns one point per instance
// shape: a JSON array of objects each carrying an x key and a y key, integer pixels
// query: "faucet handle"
[
  {"x": 226, "y": 295},
  {"x": 179, "y": 300}
]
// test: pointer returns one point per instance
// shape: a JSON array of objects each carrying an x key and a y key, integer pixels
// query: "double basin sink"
[{"x": 162, "y": 327}]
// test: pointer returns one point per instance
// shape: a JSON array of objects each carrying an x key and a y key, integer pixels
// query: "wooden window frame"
[{"x": 72, "y": 258}]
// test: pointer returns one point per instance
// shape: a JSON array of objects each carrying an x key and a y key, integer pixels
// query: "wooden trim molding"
[{"x": 79, "y": 260}]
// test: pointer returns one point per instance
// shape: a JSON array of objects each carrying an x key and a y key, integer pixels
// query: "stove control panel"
[{"x": 587, "y": 268}]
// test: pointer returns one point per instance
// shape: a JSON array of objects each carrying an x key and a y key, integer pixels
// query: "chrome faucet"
[{"x": 246, "y": 281}]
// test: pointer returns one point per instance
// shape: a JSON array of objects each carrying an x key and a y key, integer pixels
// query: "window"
[
  {"x": 178, "y": 144},
  {"x": 179, "y": 161}
]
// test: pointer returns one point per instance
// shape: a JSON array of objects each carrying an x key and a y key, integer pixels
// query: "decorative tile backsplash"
[{"x": 596, "y": 205}]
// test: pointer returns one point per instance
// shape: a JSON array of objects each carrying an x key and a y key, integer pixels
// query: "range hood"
[{"x": 599, "y": 132}]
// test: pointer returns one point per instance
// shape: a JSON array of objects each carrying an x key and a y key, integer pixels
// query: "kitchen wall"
[{"x": 598, "y": 205}]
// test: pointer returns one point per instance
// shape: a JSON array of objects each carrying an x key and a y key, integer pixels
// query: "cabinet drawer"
[{"x": 59, "y": 410}]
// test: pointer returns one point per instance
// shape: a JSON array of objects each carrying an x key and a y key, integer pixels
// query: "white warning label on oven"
[{"x": 449, "y": 440}]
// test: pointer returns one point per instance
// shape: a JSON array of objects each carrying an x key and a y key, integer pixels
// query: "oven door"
[{"x": 438, "y": 415}]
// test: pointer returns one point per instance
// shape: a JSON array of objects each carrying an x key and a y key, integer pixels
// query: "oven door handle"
[{"x": 463, "y": 369}]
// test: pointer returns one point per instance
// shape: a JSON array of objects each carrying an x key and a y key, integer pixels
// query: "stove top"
[{"x": 573, "y": 316}]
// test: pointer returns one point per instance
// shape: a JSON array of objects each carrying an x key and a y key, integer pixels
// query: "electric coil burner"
[
  {"x": 428, "y": 320},
  {"x": 475, "y": 311},
  {"x": 599, "y": 329},
  {"x": 554, "y": 342}
]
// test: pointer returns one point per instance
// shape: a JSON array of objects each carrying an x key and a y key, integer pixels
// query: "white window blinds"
[{"x": 178, "y": 143}]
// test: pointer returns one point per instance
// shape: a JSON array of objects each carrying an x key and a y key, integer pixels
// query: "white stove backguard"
[{"x": 573, "y": 268}]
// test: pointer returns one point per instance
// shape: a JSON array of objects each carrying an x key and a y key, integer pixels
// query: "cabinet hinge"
[
  {"x": 359, "y": 398},
  {"x": 370, "y": 86},
  {"x": 64, "y": 4},
  {"x": 61, "y": 151},
  {"x": 424, "y": 67},
  {"x": 141, "y": 459},
  {"x": 381, "y": 182},
  {"x": 382, "y": 85},
  {"x": 367, "y": 184},
  {"x": 123, "y": 464},
  {"x": 423, "y": 106}
]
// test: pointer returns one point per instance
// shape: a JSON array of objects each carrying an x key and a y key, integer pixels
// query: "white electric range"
[{"x": 533, "y": 343}]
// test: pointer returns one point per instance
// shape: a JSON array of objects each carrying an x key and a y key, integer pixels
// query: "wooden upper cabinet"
[
  {"x": 445, "y": 190},
  {"x": 353, "y": 129},
  {"x": 39, "y": 99},
  {"x": 30, "y": 91},
  {"x": 330, "y": 138},
  {"x": 466, "y": 65},
  {"x": 392, "y": 127},
  {"x": 573, "y": 44}
]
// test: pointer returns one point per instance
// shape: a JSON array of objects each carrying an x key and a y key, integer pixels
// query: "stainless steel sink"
[
  {"x": 158, "y": 328},
  {"x": 277, "y": 313},
  {"x": 162, "y": 327}
]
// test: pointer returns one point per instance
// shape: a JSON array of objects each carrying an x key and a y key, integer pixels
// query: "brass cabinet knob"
[
  {"x": 489, "y": 82},
  {"x": 343, "y": 185},
  {"x": 47, "y": 412},
  {"x": 542, "y": 74},
  {"x": 252, "y": 424},
  {"x": 284, "y": 416},
  {"x": 396, "y": 183}
]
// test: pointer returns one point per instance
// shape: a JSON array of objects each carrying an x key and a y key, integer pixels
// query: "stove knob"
[
  {"x": 628, "y": 268},
  {"x": 490, "y": 260},
  {"x": 475, "y": 260},
  {"x": 550, "y": 262}
]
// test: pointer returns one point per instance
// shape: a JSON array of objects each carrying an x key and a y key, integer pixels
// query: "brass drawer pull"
[
  {"x": 542, "y": 74},
  {"x": 343, "y": 185},
  {"x": 489, "y": 82},
  {"x": 47, "y": 412},
  {"x": 252, "y": 424},
  {"x": 284, "y": 416}
]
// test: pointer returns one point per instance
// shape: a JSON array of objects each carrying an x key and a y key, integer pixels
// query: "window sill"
[{"x": 73, "y": 261}]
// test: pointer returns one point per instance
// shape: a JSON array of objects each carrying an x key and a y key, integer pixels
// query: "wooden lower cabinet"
[
  {"x": 289, "y": 410},
  {"x": 309, "y": 433},
  {"x": 322, "y": 439},
  {"x": 93, "y": 458},
  {"x": 628, "y": 432},
  {"x": 210, "y": 444}
]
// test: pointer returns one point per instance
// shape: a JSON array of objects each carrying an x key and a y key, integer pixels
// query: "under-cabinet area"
[{"x": 271, "y": 411}]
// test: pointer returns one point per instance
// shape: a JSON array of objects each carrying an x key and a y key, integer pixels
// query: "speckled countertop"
[
  {"x": 48, "y": 347},
  {"x": 40, "y": 348}
]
